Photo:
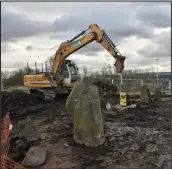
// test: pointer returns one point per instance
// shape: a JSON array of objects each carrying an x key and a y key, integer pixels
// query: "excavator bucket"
[{"x": 119, "y": 64}]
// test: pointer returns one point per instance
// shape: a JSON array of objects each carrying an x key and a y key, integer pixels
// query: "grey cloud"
[
  {"x": 44, "y": 7},
  {"x": 15, "y": 25},
  {"x": 29, "y": 48},
  {"x": 94, "y": 63},
  {"x": 66, "y": 35},
  {"x": 54, "y": 48},
  {"x": 91, "y": 49},
  {"x": 166, "y": 63},
  {"x": 13, "y": 40},
  {"x": 117, "y": 23},
  {"x": 160, "y": 46},
  {"x": 5, "y": 48},
  {"x": 147, "y": 62},
  {"x": 155, "y": 15},
  {"x": 17, "y": 64},
  {"x": 119, "y": 20},
  {"x": 142, "y": 62}
]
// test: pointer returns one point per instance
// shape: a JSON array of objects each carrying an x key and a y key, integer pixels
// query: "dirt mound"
[
  {"x": 16, "y": 100},
  {"x": 108, "y": 92}
]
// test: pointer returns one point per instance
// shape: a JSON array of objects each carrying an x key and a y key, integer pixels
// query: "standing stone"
[
  {"x": 144, "y": 94},
  {"x": 73, "y": 97},
  {"x": 157, "y": 94},
  {"x": 88, "y": 122}
]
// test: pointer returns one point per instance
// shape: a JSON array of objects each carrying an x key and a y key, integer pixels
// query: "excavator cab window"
[
  {"x": 72, "y": 69},
  {"x": 64, "y": 71}
]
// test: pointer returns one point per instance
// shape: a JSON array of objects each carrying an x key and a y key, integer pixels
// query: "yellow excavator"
[{"x": 64, "y": 73}]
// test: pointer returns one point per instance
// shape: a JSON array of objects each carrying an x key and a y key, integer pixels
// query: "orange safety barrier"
[
  {"x": 5, "y": 128},
  {"x": 5, "y": 148},
  {"x": 6, "y": 162}
]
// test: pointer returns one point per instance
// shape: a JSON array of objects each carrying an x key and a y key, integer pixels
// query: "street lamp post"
[{"x": 157, "y": 71}]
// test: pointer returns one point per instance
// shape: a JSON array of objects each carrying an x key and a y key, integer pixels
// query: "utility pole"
[{"x": 157, "y": 71}]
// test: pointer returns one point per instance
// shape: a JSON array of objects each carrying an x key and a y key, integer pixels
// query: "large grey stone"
[
  {"x": 88, "y": 121},
  {"x": 144, "y": 94},
  {"x": 157, "y": 94},
  {"x": 73, "y": 98},
  {"x": 29, "y": 133},
  {"x": 35, "y": 157}
]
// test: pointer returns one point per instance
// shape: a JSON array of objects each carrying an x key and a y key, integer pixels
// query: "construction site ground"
[{"x": 135, "y": 138}]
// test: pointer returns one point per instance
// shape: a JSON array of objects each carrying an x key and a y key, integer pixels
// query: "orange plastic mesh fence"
[
  {"x": 5, "y": 128},
  {"x": 5, "y": 148},
  {"x": 8, "y": 163}
]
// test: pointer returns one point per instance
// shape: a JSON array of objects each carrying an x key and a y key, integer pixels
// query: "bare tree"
[
  {"x": 85, "y": 71},
  {"x": 5, "y": 74},
  {"x": 108, "y": 70}
]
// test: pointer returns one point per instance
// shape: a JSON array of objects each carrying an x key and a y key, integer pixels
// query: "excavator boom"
[{"x": 71, "y": 46}]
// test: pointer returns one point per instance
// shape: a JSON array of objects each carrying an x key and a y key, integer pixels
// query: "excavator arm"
[{"x": 88, "y": 36}]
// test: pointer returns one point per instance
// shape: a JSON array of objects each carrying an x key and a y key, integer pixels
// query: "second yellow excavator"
[{"x": 64, "y": 73}]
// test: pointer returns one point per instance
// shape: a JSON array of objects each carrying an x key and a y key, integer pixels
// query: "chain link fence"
[{"x": 131, "y": 85}]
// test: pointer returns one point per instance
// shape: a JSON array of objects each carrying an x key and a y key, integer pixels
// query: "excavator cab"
[{"x": 69, "y": 73}]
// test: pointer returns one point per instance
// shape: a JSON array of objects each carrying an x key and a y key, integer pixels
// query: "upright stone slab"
[
  {"x": 144, "y": 94},
  {"x": 88, "y": 121},
  {"x": 78, "y": 88},
  {"x": 157, "y": 94}
]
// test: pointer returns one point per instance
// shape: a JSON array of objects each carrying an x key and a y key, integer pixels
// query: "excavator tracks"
[{"x": 45, "y": 95}]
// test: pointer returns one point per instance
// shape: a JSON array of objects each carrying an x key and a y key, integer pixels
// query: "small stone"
[
  {"x": 163, "y": 159},
  {"x": 151, "y": 160},
  {"x": 150, "y": 148},
  {"x": 55, "y": 124},
  {"x": 35, "y": 157},
  {"x": 66, "y": 145},
  {"x": 134, "y": 147},
  {"x": 21, "y": 145},
  {"x": 168, "y": 165},
  {"x": 129, "y": 156},
  {"x": 19, "y": 142},
  {"x": 66, "y": 165},
  {"x": 48, "y": 128},
  {"x": 108, "y": 107},
  {"x": 44, "y": 136},
  {"x": 132, "y": 106}
]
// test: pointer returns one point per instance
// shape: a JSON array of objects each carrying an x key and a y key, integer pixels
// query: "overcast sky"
[{"x": 33, "y": 31}]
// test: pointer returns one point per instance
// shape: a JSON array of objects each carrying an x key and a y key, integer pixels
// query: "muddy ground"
[{"x": 136, "y": 138}]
